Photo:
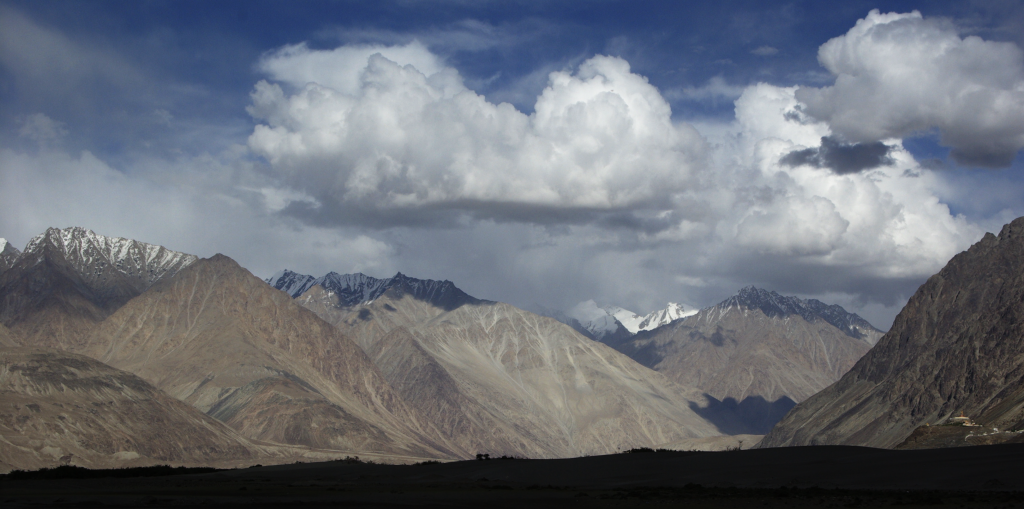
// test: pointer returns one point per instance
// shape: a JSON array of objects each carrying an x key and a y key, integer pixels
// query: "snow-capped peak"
[
  {"x": 672, "y": 312},
  {"x": 774, "y": 305},
  {"x": 594, "y": 319},
  {"x": 91, "y": 255},
  {"x": 358, "y": 288},
  {"x": 600, "y": 321},
  {"x": 628, "y": 319},
  {"x": 635, "y": 323},
  {"x": 8, "y": 255}
]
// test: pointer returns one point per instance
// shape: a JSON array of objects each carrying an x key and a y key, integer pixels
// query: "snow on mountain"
[
  {"x": 599, "y": 322},
  {"x": 92, "y": 255},
  {"x": 673, "y": 311},
  {"x": 628, "y": 319},
  {"x": 292, "y": 283},
  {"x": 8, "y": 255},
  {"x": 358, "y": 288},
  {"x": 594, "y": 319},
  {"x": 598, "y": 319},
  {"x": 777, "y": 306}
]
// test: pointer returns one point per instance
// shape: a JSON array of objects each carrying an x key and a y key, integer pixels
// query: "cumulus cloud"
[
  {"x": 765, "y": 51},
  {"x": 881, "y": 223},
  {"x": 380, "y": 158},
  {"x": 363, "y": 130},
  {"x": 598, "y": 178},
  {"x": 898, "y": 75}
]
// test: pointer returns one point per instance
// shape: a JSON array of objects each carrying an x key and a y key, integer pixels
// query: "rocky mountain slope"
[
  {"x": 68, "y": 280},
  {"x": 8, "y": 255},
  {"x": 7, "y": 338},
  {"x": 501, "y": 380},
  {"x": 757, "y": 352},
  {"x": 957, "y": 346},
  {"x": 218, "y": 338},
  {"x": 58, "y": 407}
]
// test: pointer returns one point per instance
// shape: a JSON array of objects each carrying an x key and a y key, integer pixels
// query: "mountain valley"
[
  {"x": 298, "y": 366},
  {"x": 503, "y": 379}
]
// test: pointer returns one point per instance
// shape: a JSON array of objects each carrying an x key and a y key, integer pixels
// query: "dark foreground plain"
[{"x": 827, "y": 476}]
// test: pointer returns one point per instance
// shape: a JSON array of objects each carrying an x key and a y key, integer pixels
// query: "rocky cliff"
[{"x": 958, "y": 345}]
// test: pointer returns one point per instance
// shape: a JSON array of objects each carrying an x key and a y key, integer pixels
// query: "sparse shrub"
[{"x": 639, "y": 449}]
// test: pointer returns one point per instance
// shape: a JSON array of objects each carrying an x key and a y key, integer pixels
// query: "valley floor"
[{"x": 983, "y": 476}]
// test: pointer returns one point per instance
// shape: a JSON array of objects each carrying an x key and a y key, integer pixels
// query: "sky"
[{"x": 540, "y": 153}]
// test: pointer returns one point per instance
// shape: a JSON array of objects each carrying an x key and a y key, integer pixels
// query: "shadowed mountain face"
[
  {"x": 58, "y": 407},
  {"x": 957, "y": 346},
  {"x": 353, "y": 289},
  {"x": 501, "y": 380},
  {"x": 68, "y": 280},
  {"x": 757, "y": 352},
  {"x": 220, "y": 339},
  {"x": 8, "y": 255}
]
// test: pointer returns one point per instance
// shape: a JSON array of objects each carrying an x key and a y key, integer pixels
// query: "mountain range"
[
  {"x": 396, "y": 367},
  {"x": 116, "y": 352},
  {"x": 500, "y": 378},
  {"x": 956, "y": 348},
  {"x": 757, "y": 353}
]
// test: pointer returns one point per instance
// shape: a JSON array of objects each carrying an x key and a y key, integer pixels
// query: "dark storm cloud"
[
  {"x": 840, "y": 157},
  {"x": 984, "y": 157},
  {"x": 332, "y": 213}
]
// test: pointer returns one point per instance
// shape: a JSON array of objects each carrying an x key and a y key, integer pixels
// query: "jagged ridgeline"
[
  {"x": 756, "y": 353},
  {"x": 498, "y": 378},
  {"x": 397, "y": 368},
  {"x": 957, "y": 346},
  {"x": 68, "y": 280}
]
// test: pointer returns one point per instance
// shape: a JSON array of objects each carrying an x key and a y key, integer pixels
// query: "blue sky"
[{"x": 213, "y": 127}]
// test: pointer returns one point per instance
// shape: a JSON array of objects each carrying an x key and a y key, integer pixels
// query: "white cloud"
[
  {"x": 881, "y": 222},
  {"x": 340, "y": 69},
  {"x": 901, "y": 74},
  {"x": 660, "y": 209},
  {"x": 372, "y": 131}
]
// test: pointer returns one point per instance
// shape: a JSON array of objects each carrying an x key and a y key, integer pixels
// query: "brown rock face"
[
  {"x": 69, "y": 280},
  {"x": 958, "y": 345},
  {"x": 500, "y": 380},
  {"x": 220, "y": 339},
  {"x": 58, "y": 407},
  {"x": 758, "y": 352},
  {"x": 7, "y": 338}
]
